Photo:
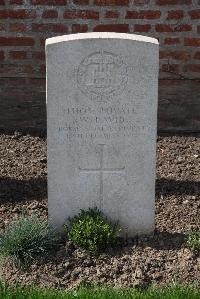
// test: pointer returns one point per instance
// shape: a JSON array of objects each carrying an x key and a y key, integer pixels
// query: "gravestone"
[{"x": 101, "y": 126}]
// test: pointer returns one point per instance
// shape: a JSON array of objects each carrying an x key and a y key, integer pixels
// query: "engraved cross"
[{"x": 101, "y": 170}]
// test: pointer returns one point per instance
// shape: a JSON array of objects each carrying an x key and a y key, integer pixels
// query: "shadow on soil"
[
  {"x": 158, "y": 241},
  {"x": 163, "y": 240},
  {"x": 12, "y": 190},
  {"x": 172, "y": 187}
]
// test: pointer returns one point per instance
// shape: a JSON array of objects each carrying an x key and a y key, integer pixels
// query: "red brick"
[
  {"x": 172, "y": 82},
  {"x": 17, "y": 2},
  {"x": 27, "y": 69},
  {"x": 37, "y": 81},
  {"x": 178, "y": 55},
  {"x": 142, "y": 28},
  {"x": 192, "y": 68},
  {"x": 81, "y": 14},
  {"x": 172, "y": 28},
  {"x": 79, "y": 28},
  {"x": 111, "y": 14},
  {"x": 16, "y": 69},
  {"x": 175, "y": 14},
  {"x": 198, "y": 28},
  {"x": 40, "y": 55},
  {"x": 22, "y": 14},
  {"x": 192, "y": 41},
  {"x": 18, "y": 27},
  {"x": 163, "y": 28},
  {"x": 42, "y": 41},
  {"x": 50, "y": 14},
  {"x": 197, "y": 55},
  {"x": 50, "y": 28},
  {"x": 42, "y": 69},
  {"x": 16, "y": 41},
  {"x": 194, "y": 14},
  {"x": 183, "y": 28},
  {"x": 18, "y": 14},
  {"x": 173, "y": 2},
  {"x": 111, "y": 2},
  {"x": 112, "y": 28},
  {"x": 143, "y": 14},
  {"x": 170, "y": 68},
  {"x": 141, "y": 2},
  {"x": 2, "y": 27},
  {"x": 16, "y": 81},
  {"x": 171, "y": 41},
  {"x": 2, "y": 55},
  {"x": 17, "y": 54},
  {"x": 49, "y": 2},
  {"x": 3, "y": 14},
  {"x": 81, "y": 2}
]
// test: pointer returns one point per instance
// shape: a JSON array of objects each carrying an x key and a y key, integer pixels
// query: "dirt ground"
[{"x": 158, "y": 259}]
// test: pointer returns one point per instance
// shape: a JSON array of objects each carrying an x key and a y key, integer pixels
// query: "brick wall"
[{"x": 25, "y": 24}]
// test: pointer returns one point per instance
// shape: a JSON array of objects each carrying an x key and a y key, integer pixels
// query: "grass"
[
  {"x": 172, "y": 292},
  {"x": 26, "y": 239},
  {"x": 193, "y": 241}
]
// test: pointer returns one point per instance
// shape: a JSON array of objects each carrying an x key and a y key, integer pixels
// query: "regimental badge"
[{"x": 102, "y": 75}]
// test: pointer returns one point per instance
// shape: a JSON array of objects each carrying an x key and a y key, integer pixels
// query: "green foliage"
[
  {"x": 193, "y": 241},
  {"x": 26, "y": 239},
  {"x": 171, "y": 292},
  {"x": 92, "y": 231}
]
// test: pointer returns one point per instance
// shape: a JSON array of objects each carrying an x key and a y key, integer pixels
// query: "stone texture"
[{"x": 101, "y": 125}]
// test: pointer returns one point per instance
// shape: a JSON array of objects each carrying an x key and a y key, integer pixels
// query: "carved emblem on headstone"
[{"x": 102, "y": 75}]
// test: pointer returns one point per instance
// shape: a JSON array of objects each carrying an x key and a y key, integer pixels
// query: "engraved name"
[{"x": 108, "y": 122}]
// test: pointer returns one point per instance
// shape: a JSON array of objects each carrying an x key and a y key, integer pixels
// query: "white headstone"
[{"x": 101, "y": 124}]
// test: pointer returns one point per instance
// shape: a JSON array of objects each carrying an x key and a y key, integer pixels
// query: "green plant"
[
  {"x": 32, "y": 292},
  {"x": 25, "y": 239},
  {"x": 193, "y": 241},
  {"x": 92, "y": 231}
]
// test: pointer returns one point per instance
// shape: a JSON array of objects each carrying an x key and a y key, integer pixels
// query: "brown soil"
[{"x": 158, "y": 259}]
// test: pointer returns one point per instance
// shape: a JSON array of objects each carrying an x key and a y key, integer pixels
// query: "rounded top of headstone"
[{"x": 99, "y": 35}]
